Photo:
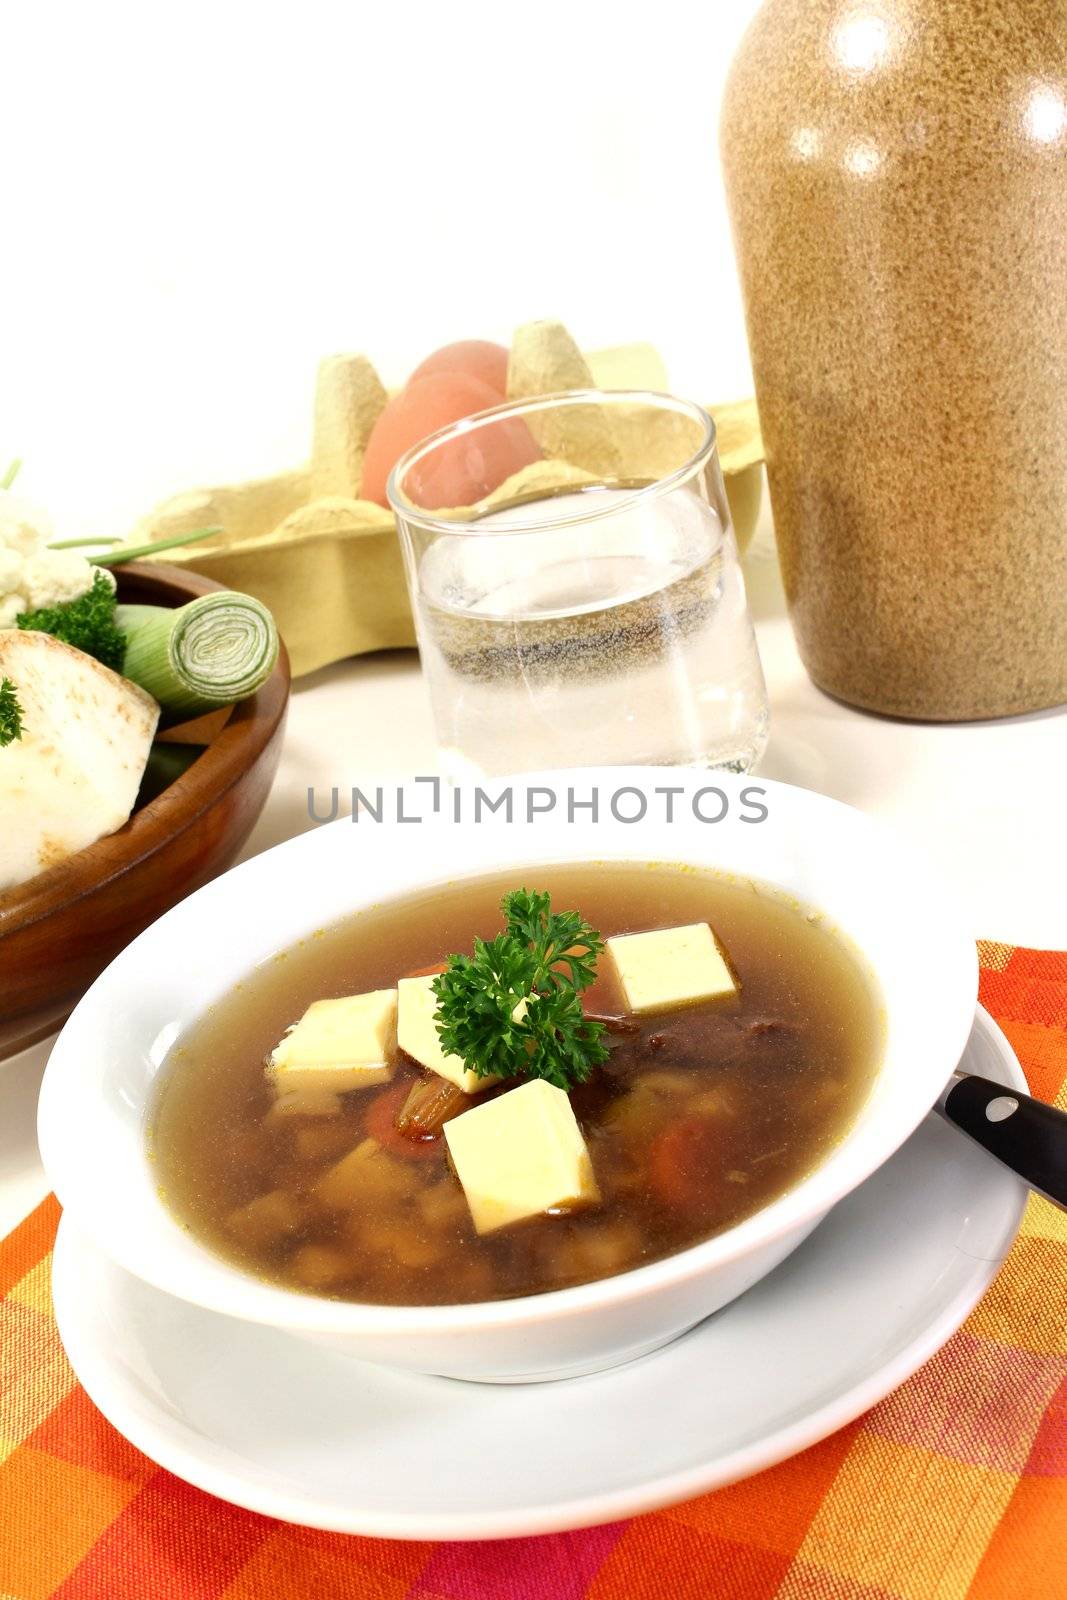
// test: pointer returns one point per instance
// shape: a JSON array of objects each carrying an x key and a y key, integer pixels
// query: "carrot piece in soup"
[
  {"x": 380, "y": 1123},
  {"x": 684, "y": 1160}
]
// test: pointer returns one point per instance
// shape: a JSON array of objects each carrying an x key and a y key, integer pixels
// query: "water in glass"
[{"x": 623, "y": 638}]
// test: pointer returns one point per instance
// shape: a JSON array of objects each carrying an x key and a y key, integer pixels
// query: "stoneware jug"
[{"x": 897, "y": 179}]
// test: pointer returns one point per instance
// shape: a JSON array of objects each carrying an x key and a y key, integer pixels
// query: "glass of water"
[{"x": 576, "y": 588}]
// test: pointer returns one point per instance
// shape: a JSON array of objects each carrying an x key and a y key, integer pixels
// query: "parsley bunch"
[
  {"x": 514, "y": 1008},
  {"x": 10, "y": 713},
  {"x": 88, "y": 623}
]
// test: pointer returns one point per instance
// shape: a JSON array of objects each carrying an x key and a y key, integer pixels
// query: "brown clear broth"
[{"x": 701, "y": 1116}]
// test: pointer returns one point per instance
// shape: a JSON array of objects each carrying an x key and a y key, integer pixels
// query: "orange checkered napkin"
[{"x": 954, "y": 1488}]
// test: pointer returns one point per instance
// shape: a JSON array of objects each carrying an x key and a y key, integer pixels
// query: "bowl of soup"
[{"x": 513, "y": 1099}]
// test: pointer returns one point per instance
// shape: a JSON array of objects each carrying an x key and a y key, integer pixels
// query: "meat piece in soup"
[{"x": 364, "y": 1168}]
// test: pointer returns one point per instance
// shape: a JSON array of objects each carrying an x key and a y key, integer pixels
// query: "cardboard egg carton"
[{"x": 327, "y": 561}]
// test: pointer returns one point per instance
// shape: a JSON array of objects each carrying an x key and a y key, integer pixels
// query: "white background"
[{"x": 202, "y": 200}]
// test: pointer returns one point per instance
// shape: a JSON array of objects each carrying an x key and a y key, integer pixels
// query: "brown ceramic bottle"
[{"x": 897, "y": 178}]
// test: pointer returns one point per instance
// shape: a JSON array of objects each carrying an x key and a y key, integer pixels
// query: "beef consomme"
[{"x": 571, "y": 1126}]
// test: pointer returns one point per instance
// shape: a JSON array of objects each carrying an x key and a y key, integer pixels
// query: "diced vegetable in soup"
[{"x": 509, "y": 1086}]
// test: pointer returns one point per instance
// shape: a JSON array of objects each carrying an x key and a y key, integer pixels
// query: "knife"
[{"x": 1024, "y": 1134}]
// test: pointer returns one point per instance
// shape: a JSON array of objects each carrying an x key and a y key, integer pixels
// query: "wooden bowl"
[{"x": 61, "y": 928}]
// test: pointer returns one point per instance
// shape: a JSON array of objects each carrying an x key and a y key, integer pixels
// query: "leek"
[
  {"x": 77, "y": 544},
  {"x": 115, "y": 558},
  {"x": 208, "y": 653}
]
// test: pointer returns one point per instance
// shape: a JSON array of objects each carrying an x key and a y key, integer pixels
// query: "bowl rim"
[
  {"x": 257, "y": 1300},
  {"x": 248, "y": 730}
]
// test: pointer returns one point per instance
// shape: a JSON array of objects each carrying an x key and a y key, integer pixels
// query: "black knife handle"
[{"x": 1025, "y": 1134}]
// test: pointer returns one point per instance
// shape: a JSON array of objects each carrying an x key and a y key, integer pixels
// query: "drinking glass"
[{"x": 576, "y": 588}]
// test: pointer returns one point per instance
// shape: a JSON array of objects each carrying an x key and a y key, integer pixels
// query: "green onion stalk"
[
  {"x": 208, "y": 653},
  {"x": 116, "y": 558}
]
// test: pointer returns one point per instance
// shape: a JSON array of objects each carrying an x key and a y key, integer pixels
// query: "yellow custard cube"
[
  {"x": 520, "y": 1155},
  {"x": 416, "y": 1033},
  {"x": 336, "y": 1046},
  {"x": 672, "y": 967}
]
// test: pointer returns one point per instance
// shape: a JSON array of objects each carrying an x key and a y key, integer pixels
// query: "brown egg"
[
  {"x": 469, "y": 467},
  {"x": 476, "y": 358}
]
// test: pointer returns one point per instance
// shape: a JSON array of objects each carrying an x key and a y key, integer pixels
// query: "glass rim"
[{"x": 407, "y": 511}]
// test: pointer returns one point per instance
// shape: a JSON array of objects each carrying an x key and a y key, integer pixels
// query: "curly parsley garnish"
[
  {"x": 88, "y": 623},
  {"x": 544, "y": 958},
  {"x": 10, "y": 713}
]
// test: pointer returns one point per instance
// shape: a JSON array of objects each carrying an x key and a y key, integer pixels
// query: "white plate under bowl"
[{"x": 258, "y": 1417}]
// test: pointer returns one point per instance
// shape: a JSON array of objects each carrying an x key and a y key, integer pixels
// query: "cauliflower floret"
[
  {"x": 55, "y": 576},
  {"x": 23, "y": 528},
  {"x": 11, "y": 607},
  {"x": 12, "y": 594},
  {"x": 32, "y": 575},
  {"x": 11, "y": 570}
]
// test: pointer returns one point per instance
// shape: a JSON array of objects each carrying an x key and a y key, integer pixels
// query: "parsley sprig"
[
  {"x": 88, "y": 623},
  {"x": 544, "y": 958},
  {"x": 10, "y": 713}
]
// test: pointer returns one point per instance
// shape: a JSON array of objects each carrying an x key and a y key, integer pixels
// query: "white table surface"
[{"x": 987, "y": 798}]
